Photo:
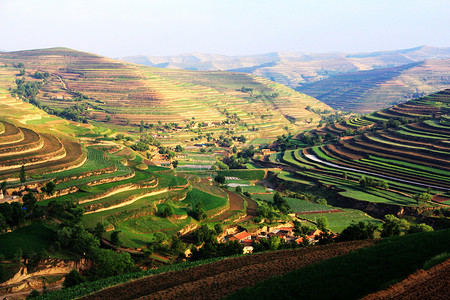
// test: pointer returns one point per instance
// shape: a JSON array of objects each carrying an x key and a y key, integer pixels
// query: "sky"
[{"x": 117, "y": 28}]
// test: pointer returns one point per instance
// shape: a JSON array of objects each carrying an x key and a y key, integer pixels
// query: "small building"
[{"x": 241, "y": 237}]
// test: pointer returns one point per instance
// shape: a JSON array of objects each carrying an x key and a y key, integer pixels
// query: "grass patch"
[{"x": 32, "y": 238}]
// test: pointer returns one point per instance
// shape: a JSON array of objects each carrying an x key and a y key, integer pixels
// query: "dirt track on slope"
[
  {"x": 430, "y": 284},
  {"x": 217, "y": 280}
]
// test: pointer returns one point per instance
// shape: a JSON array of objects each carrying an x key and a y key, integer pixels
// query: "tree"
[
  {"x": 3, "y": 186},
  {"x": 49, "y": 188},
  {"x": 239, "y": 189},
  {"x": 168, "y": 211},
  {"x": 110, "y": 263},
  {"x": 175, "y": 164},
  {"x": 322, "y": 223},
  {"x": 420, "y": 228},
  {"x": 363, "y": 181},
  {"x": 115, "y": 240},
  {"x": 358, "y": 231},
  {"x": 179, "y": 148},
  {"x": 34, "y": 294},
  {"x": 22, "y": 175},
  {"x": 29, "y": 200},
  {"x": 393, "y": 226},
  {"x": 198, "y": 212},
  {"x": 107, "y": 118},
  {"x": 99, "y": 230},
  {"x": 423, "y": 197},
  {"x": 220, "y": 178},
  {"x": 382, "y": 184},
  {"x": 73, "y": 278}
]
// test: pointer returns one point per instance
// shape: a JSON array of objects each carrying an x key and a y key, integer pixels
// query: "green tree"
[
  {"x": 110, "y": 263},
  {"x": 29, "y": 200},
  {"x": 99, "y": 230},
  {"x": 168, "y": 211},
  {"x": 322, "y": 224},
  {"x": 175, "y": 164},
  {"x": 420, "y": 228},
  {"x": 107, "y": 118},
  {"x": 220, "y": 178},
  {"x": 363, "y": 181},
  {"x": 22, "y": 174},
  {"x": 382, "y": 184},
  {"x": 49, "y": 188},
  {"x": 393, "y": 226},
  {"x": 34, "y": 294},
  {"x": 115, "y": 240},
  {"x": 358, "y": 231},
  {"x": 73, "y": 278},
  {"x": 423, "y": 197}
]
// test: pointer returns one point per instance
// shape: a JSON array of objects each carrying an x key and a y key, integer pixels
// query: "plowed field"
[
  {"x": 431, "y": 284},
  {"x": 216, "y": 280}
]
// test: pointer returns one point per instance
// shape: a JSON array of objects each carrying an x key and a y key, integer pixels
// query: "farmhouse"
[{"x": 241, "y": 237}]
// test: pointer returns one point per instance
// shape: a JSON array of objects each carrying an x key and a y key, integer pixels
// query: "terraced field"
[
  {"x": 368, "y": 91},
  {"x": 39, "y": 152},
  {"x": 411, "y": 158},
  {"x": 129, "y": 94}
]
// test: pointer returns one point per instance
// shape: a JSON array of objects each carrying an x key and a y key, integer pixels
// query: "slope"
[
  {"x": 122, "y": 94},
  {"x": 367, "y": 91},
  {"x": 305, "y": 72},
  {"x": 401, "y": 152}
]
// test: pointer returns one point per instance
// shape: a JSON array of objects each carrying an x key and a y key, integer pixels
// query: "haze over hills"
[{"x": 304, "y": 71}]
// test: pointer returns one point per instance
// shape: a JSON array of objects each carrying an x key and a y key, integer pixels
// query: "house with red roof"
[{"x": 241, "y": 237}]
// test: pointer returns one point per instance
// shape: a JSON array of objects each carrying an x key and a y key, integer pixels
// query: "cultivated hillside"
[
  {"x": 369, "y": 81},
  {"x": 127, "y": 94},
  {"x": 401, "y": 152},
  {"x": 366, "y": 91}
]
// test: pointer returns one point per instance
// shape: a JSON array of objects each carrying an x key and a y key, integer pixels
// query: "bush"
[{"x": 73, "y": 278}]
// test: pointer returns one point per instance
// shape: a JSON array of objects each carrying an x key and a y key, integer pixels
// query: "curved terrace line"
[
  {"x": 314, "y": 158},
  {"x": 127, "y": 202}
]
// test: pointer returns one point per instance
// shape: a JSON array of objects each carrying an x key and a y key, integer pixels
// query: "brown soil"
[
  {"x": 439, "y": 198},
  {"x": 431, "y": 284},
  {"x": 236, "y": 203},
  {"x": 217, "y": 280}
]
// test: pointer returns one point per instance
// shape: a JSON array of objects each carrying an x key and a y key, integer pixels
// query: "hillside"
[
  {"x": 123, "y": 94},
  {"x": 401, "y": 152},
  {"x": 366, "y": 91},
  {"x": 363, "y": 267},
  {"x": 370, "y": 81}
]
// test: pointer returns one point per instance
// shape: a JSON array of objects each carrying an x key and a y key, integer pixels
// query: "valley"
[{"x": 140, "y": 170}]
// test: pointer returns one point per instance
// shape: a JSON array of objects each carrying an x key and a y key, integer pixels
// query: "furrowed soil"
[
  {"x": 217, "y": 280},
  {"x": 430, "y": 284}
]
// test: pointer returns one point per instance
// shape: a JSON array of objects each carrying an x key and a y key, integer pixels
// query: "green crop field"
[
  {"x": 338, "y": 221},
  {"x": 32, "y": 238},
  {"x": 210, "y": 202},
  {"x": 298, "y": 205},
  {"x": 243, "y": 174}
]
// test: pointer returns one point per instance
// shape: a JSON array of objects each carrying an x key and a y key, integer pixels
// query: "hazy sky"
[{"x": 117, "y": 28}]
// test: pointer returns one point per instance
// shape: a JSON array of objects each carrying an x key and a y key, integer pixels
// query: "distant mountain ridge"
[{"x": 297, "y": 68}]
